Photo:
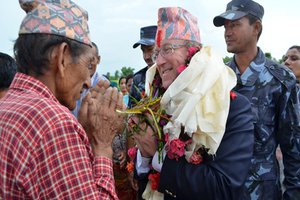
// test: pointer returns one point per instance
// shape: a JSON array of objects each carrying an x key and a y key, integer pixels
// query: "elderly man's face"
[
  {"x": 96, "y": 61},
  {"x": 75, "y": 78},
  {"x": 172, "y": 54}
]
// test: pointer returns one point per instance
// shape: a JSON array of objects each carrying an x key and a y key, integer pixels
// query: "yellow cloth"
[{"x": 199, "y": 100}]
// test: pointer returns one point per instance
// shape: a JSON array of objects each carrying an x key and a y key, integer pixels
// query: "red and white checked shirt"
[{"x": 44, "y": 152}]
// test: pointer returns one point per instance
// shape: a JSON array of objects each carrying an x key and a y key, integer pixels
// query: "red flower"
[
  {"x": 154, "y": 178},
  {"x": 175, "y": 149},
  {"x": 132, "y": 153},
  {"x": 196, "y": 158},
  {"x": 232, "y": 95},
  {"x": 192, "y": 51},
  {"x": 130, "y": 166},
  {"x": 143, "y": 95},
  {"x": 181, "y": 68}
]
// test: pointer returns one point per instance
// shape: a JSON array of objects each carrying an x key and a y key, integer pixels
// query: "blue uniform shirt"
[{"x": 274, "y": 96}]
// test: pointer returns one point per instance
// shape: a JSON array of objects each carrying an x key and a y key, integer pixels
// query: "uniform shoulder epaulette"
[{"x": 281, "y": 73}]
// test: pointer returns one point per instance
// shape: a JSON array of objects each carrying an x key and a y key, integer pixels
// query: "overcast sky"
[{"x": 115, "y": 26}]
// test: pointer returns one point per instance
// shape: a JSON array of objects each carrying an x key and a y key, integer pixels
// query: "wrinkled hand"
[
  {"x": 98, "y": 117},
  {"x": 100, "y": 87},
  {"x": 145, "y": 140}
]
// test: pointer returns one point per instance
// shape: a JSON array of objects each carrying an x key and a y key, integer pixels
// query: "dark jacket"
[
  {"x": 223, "y": 177},
  {"x": 138, "y": 86}
]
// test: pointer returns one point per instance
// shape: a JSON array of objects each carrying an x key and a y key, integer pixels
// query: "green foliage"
[
  {"x": 269, "y": 55},
  {"x": 125, "y": 71},
  {"x": 227, "y": 59},
  {"x": 117, "y": 74}
]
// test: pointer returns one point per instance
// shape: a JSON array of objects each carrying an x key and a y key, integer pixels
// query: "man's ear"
[
  {"x": 257, "y": 26},
  {"x": 99, "y": 59},
  {"x": 63, "y": 56}
]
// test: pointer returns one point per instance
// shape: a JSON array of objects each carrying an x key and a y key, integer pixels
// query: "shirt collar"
[
  {"x": 251, "y": 74},
  {"x": 29, "y": 83}
]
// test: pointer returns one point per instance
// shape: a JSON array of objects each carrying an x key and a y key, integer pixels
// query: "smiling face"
[
  {"x": 292, "y": 61},
  {"x": 172, "y": 54}
]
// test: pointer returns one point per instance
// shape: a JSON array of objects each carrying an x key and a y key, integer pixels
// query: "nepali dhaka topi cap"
[
  {"x": 176, "y": 23},
  {"x": 57, "y": 17}
]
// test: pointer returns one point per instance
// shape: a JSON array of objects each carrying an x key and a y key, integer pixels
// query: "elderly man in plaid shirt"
[{"x": 45, "y": 152}]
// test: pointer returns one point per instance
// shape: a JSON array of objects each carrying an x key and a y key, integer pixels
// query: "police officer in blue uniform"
[
  {"x": 274, "y": 96},
  {"x": 147, "y": 41}
]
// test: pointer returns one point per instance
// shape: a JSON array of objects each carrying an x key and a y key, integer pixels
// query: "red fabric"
[{"x": 45, "y": 153}]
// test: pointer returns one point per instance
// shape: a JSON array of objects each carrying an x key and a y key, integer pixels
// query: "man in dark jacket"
[
  {"x": 146, "y": 41},
  {"x": 209, "y": 139},
  {"x": 274, "y": 96}
]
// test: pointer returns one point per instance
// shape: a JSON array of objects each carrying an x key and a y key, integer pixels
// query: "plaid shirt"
[{"x": 45, "y": 153}]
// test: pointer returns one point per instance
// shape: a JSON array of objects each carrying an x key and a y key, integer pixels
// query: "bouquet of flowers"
[{"x": 148, "y": 110}]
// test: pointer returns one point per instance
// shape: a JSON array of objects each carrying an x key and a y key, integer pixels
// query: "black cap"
[
  {"x": 237, "y": 9},
  {"x": 147, "y": 36}
]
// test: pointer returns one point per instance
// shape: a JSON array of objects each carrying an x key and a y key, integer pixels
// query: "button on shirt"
[{"x": 45, "y": 153}]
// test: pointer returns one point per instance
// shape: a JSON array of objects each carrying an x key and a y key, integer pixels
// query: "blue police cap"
[
  {"x": 237, "y": 9},
  {"x": 147, "y": 36}
]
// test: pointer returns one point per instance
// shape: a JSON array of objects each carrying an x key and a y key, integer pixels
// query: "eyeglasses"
[{"x": 166, "y": 50}]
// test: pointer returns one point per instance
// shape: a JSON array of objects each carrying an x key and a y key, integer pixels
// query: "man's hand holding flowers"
[{"x": 145, "y": 139}]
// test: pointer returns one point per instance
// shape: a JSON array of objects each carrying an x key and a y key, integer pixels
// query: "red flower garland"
[
  {"x": 191, "y": 52},
  {"x": 154, "y": 178}
]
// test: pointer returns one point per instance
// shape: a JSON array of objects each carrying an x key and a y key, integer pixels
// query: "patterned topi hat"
[
  {"x": 176, "y": 23},
  {"x": 57, "y": 17}
]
